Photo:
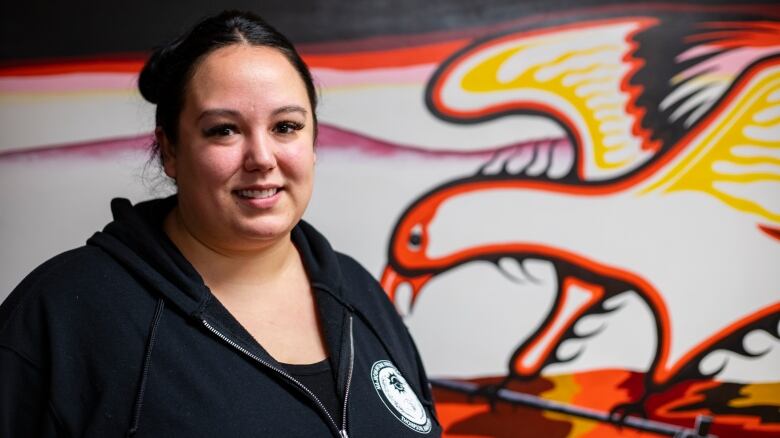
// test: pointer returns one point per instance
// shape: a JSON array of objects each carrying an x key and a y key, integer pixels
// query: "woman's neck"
[{"x": 228, "y": 269}]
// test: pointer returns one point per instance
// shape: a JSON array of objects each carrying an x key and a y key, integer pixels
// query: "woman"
[{"x": 215, "y": 312}]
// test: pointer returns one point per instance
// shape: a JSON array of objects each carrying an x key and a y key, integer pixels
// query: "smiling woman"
[{"x": 218, "y": 302}]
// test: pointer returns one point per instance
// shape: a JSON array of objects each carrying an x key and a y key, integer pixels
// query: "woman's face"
[{"x": 244, "y": 163}]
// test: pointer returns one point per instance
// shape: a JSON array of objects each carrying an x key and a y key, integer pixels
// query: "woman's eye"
[
  {"x": 224, "y": 130},
  {"x": 287, "y": 127}
]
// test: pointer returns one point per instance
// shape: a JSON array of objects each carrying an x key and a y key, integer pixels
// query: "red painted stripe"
[
  {"x": 402, "y": 57},
  {"x": 58, "y": 67}
]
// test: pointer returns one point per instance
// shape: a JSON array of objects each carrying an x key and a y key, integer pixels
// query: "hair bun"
[
  {"x": 149, "y": 79},
  {"x": 154, "y": 76}
]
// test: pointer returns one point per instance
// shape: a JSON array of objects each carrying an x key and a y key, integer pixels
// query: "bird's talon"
[
  {"x": 618, "y": 414},
  {"x": 490, "y": 393}
]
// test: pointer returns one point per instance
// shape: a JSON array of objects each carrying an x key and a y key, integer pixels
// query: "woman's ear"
[{"x": 167, "y": 153}]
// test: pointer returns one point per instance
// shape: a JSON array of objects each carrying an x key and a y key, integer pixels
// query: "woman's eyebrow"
[
  {"x": 233, "y": 113},
  {"x": 218, "y": 112},
  {"x": 289, "y": 109}
]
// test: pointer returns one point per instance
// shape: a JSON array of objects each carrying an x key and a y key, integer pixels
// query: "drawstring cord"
[{"x": 139, "y": 400}]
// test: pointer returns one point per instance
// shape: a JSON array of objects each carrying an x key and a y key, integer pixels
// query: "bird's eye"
[{"x": 416, "y": 238}]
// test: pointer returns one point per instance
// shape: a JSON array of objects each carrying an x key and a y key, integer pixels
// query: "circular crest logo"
[{"x": 398, "y": 396}]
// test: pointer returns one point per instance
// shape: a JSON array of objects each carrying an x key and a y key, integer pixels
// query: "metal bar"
[{"x": 592, "y": 414}]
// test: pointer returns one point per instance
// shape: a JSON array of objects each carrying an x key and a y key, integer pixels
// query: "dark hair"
[{"x": 163, "y": 80}]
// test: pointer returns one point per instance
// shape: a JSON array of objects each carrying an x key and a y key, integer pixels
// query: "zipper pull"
[{"x": 343, "y": 433}]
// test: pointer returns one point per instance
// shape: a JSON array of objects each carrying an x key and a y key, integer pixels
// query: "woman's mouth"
[{"x": 257, "y": 194}]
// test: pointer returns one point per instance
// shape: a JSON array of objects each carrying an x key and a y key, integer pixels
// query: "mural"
[
  {"x": 577, "y": 212},
  {"x": 657, "y": 207}
]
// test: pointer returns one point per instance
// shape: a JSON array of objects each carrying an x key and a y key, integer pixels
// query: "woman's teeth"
[{"x": 257, "y": 194}]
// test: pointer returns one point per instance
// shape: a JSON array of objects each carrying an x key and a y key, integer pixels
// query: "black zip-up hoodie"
[{"x": 121, "y": 337}]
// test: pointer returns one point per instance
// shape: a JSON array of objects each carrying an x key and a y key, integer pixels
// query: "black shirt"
[{"x": 318, "y": 377}]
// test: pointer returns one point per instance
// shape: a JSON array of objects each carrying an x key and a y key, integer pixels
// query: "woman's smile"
[{"x": 259, "y": 198}]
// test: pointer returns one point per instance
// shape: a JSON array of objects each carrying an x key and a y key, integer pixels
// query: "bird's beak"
[{"x": 391, "y": 281}]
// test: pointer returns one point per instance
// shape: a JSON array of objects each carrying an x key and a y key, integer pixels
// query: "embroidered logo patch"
[{"x": 398, "y": 396}]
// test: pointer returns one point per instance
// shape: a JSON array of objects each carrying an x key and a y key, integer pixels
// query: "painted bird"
[{"x": 667, "y": 185}]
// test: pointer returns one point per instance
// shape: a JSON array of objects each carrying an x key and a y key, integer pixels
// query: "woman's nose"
[{"x": 259, "y": 154}]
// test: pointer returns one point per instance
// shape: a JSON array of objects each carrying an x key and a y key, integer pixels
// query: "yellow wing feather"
[
  {"x": 581, "y": 75},
  {"x": 736, "y": 158}
]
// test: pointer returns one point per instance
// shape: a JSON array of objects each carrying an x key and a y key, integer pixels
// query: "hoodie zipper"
[{"x": 343, "y": 430}]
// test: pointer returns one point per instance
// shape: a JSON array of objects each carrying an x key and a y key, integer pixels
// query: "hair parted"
[{"x": 164, "y": 78}]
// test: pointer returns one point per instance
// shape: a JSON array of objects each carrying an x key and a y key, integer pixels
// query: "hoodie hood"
[{"x": 136, "y": 240}]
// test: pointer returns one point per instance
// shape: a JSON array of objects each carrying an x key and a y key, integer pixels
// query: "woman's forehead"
[{"x": 246, "y": 76}]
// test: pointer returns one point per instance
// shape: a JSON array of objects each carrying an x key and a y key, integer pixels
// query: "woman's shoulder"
[
  {"x": 359, "y": 280},
  {"x": 353, "y": 269},
  {"x": 362, "y": 290},
  {"x": 46, "y": 301},
  {"x": 365, "y": 293},
  {"x": 76, "y": 265},
  {"x": 59, "y": 281}
]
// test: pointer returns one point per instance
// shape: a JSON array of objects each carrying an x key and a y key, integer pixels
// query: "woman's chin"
[{"x": 265, "y": 231}]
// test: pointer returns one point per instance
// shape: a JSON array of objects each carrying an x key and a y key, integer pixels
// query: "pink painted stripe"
[
  {"x": 330, "y": 139},
  {"x": 333, "y": 138},
  {"x": 695, "y": 52},
  {"x": 326, "y": 77},
  {"x": 68, "y": 82},
  {"x": 731, "y": 63},
  {"x": 126, "y": 81},
  {"x": 97, "y": 148}
]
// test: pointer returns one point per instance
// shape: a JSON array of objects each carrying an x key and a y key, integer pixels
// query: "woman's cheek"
[
  {"x": 298, "y": 160},
  {"x": 222, "y": 164}
]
